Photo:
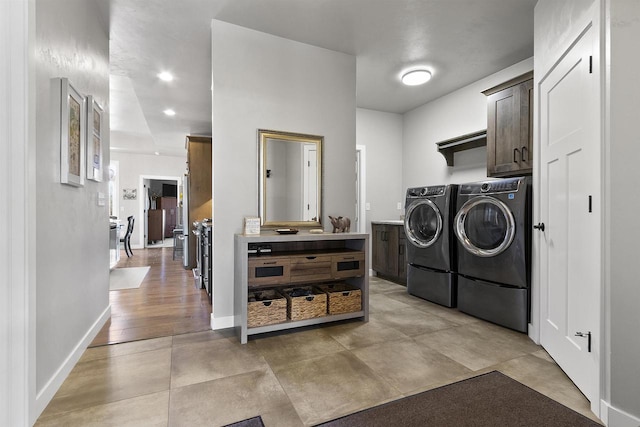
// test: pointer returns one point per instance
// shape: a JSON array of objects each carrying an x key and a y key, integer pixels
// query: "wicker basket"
[
  {"x": 306, "y": 307},
  {"x": 343, "y": 298},
  {"x": 266, "y": 307}
]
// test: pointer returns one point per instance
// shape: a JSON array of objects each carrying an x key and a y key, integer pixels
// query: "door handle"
[
  {"x": 515, "y": 155},
  {"x": 539, "y": 226},
  {"x": 525, "y": 150},
  {"x": 586, "y": 335}
]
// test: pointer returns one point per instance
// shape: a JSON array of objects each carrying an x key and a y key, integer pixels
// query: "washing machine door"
[
  {"x": 423, "y": 223},
  {"x": 485, "y": 226}
]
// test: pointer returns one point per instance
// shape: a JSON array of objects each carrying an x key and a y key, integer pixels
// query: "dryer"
[
  {"x": 427, "y": 224},
  {"x": 493, "y": 230}
]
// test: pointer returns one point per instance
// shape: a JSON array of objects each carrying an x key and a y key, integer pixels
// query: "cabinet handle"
[
  {"x": 269, "y": 263},
  {"x": 311, "y": 257},
  {"x": 525, "y": 150},
  {"x": 348, "y": 257},
  {"x": 515, "y": 155}
]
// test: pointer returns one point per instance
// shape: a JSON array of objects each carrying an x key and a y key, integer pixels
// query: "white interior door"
[
  {"x": 570, "y": 195},
  {"x": 310, "y": 185}
]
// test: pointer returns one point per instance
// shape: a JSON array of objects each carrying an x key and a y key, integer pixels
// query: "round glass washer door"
[
  {"x": 484, "y": 226},
  {"x": 423, "y": 223}
]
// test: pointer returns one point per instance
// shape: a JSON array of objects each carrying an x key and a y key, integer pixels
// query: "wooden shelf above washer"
[{"x": 460, "y": 143}]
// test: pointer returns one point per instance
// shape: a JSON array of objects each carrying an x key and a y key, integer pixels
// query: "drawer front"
[
  {"x": 347, "y": 265},
  {"x": 307, "y": 269},
  {"x": 269, "y": 271}
]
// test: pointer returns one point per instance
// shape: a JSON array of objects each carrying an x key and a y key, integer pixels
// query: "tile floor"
[{"x": 299, "y": 378}]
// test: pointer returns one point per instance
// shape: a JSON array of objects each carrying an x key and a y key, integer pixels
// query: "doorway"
[
  {"x": 361, "y": 169},
  {"x": 159, "y": 206}
]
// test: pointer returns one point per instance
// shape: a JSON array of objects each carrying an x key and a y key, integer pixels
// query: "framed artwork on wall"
[
  {"x": 73, "y": 119},
  {"x": 94, "y": 140}
]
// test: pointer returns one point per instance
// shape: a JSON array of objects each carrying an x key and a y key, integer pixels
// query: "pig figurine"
[{"x": 340, "y": 224}]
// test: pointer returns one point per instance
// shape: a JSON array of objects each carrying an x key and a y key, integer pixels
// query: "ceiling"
[{"x": 460, "y": 41}]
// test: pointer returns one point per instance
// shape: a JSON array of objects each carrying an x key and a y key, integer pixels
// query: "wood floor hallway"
[{"x": 166, "y": 303}]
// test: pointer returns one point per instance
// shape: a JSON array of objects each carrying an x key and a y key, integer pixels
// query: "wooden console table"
[{"x": 296, "y": 260}]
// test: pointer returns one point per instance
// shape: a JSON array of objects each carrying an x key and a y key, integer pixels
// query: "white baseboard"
[
  {"x": 44, "y": 396},
  {"x": 534, "y": 334},
  {"x": 372, "y": 273},
  {"x": 615, "y": 417},
  {"x": 222, "y": 322}
]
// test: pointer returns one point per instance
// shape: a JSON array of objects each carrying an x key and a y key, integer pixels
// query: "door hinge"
[
  {"x": 586, "y": 335},
  {"x": 590, "y": 64}
]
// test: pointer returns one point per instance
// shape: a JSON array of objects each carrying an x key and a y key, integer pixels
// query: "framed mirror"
[{"x": 290, "y": 172}]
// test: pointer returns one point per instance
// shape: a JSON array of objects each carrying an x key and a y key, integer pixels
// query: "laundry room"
[{"x": 461, "y": 229}]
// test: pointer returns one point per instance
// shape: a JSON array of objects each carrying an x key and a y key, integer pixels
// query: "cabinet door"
[
  {"x": 509, "y": 131},
  {"x": 392, "y": 250},
  {"x": 155, "y": 226},
  {"x": 379, "y": 258},
  {"x": 402, "y": 257}
]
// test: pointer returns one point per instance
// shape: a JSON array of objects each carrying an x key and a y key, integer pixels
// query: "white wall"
[
  {"x": 623, "y": 201},
  {"x": 132, "y": 166},
  {"x": 458, "y": 113},
  {"x": 381, "y": 134},
  {"x": 72, "y": 231},
  {"x": 266, "y": 82}
]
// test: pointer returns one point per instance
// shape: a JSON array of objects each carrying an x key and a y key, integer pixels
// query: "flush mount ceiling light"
[
  {"x": 416, "y": 77},
  {"x": 165, "y": 76},
  {"x": 169, "y": 112}
]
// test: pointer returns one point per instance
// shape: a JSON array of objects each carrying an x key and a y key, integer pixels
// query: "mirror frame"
[{"x": 263, "y": 136}]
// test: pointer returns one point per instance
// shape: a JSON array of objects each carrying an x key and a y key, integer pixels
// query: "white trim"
[
  {"x": 362, "y": 179},
  {"x": 53, "y": 385},
  {"x": 615, "y": 417},
  {"x": 222, "y": 322},
  {"x": 17, "y": 358}
]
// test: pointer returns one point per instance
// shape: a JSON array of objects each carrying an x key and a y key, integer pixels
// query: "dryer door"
[
  {"x": 484, "y": 226},
  {"x": 423, "y": 223}
]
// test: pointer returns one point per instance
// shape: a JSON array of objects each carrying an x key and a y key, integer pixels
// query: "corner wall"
[
  {"x": 262, "y": 81},
  {"x": 72, "y": 231},
  {"x": 381, "y": 134},
  {"x": 623, "y": 202},
  {"x": 458, "y": 113}
]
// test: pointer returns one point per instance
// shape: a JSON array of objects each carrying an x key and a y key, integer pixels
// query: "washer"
[
  {"x": 493, "y": 230},
  {"x": 427, "y": 225}
]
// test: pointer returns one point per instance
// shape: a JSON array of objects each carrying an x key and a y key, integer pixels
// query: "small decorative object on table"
[
  {"x": 340, "y": 224},
  {"x": 287, "y": 230},
  {"x": 251, "y": 226}
]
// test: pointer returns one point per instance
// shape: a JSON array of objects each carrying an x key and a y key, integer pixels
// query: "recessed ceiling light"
[
  {"x": 169, "y": 112},
  {"x": 165, "y": 76},
  {"x": 157, "y": 153},
  {"x": 416, "y": 77}
]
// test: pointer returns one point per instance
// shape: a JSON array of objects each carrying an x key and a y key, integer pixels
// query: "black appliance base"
[
  {"x": 504, "y": 305},
  {"x": 432, "y": 285}
]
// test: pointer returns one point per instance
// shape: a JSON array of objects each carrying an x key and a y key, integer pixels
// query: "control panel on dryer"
[
  {"x": 426, "y": 191},
  {"x": 507, "y": 185}
]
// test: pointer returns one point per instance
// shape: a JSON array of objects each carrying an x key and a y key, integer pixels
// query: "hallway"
[{"x": 166, "y": 303}]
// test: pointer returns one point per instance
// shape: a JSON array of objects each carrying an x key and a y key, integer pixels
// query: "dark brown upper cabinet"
[{"x": 510, "y": 127}]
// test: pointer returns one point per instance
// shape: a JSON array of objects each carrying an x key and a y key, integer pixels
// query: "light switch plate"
[
  {"x": 101, "y": 199},
  {"x": 399, "y": 205}
]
